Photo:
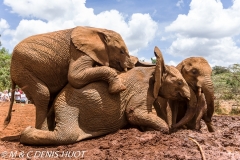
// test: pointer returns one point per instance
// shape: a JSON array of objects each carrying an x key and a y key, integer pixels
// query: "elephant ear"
[
  {"x": 138, "y": 63},
  {"x": 92, "y": 42},
  {"x": 159, "y": 71},
  {"x": 180, "y": 66}
]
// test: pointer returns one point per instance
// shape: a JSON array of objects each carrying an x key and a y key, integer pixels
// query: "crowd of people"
[{"x": 19, "y": 96}]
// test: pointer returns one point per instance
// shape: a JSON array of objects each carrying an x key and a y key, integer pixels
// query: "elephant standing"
[
  {"x": 197, "y": 73},
  {"x": 91, "y": 111},
  {"x": 43, "y": 64}
]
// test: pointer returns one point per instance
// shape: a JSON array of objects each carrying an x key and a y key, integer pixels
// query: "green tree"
[
  {"x": 219, "y": 70},
  {"x": 5, "y": 59},
  {"x": 153, "y": 60},
  {"x": 234, "y": 79}
]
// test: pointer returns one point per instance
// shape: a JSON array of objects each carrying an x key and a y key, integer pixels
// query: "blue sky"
[{"x": 180, "y": 28}]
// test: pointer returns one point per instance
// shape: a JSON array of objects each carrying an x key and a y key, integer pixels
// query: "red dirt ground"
[{"x": 224, "y": 144}]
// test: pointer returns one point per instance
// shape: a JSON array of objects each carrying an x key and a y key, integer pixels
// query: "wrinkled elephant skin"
[
  {"x": 91, "y": 111},
  {"x": 197, "y": 73},
  {"x": 43, "y": 64}
]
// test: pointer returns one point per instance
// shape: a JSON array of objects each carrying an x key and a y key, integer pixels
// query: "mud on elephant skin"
[
  {"x": 197, "y": 73},
  {"x": 43, "y": 64},
  {"x": 91, "y": 111}
]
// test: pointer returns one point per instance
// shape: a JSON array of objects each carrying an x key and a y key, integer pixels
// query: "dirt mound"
[{"x": 224, "y": 144}]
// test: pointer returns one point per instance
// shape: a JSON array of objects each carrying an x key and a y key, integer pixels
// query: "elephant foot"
[
  {"x": 33, "y": 136},
  {"x": 210, "y": 127},
  {"x": 24, "y": 138},
  {"x": 116, "y": 86},
  {"x": 173, "y": 130}
]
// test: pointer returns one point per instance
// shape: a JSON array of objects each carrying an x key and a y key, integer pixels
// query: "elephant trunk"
[
  {"x": 191, "y": 110},
  {"x": 188, "y": 116},
  {"x": 208, "y": 91},
  {"x": 200, "y": 84},
  {"x": 128, "y": 64},
  {"x": 185, "y": 93}
]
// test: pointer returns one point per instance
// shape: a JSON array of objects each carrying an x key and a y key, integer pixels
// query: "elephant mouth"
[
  {"x": 193, "y": 87},
  {"x": 117, "y": 66},
  {"x": 123, "y": 67},
  {"x": 179, "y": 96},
  {"x": 174, "y": 96}
]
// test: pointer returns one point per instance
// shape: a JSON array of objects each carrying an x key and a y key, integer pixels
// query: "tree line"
[{"x": 5, "y": 60}]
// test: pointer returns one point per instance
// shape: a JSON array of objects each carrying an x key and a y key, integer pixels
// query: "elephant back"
[{"x": 50, "y": 55}]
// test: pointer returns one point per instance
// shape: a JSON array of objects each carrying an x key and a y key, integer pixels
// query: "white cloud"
[
  {"x": 221, "y": 51},
  {"x": 180, "y": 3},
  {"x": 208, "y": 30},
  {"x": 172, "y": 63},
  {"x": 3, "y": 25},
  {"x": 207, "y": 18},
  {"x": 44, "y": 16}
]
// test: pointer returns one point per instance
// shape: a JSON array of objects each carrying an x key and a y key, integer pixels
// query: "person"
[
  {"x": 5, "y": 97},
  {"x": 20, "y": 90},
  {"x": 9, "y": 93},
  {"x": 17, "y": 96},
  {"x": 1, "y": 96},
  {"x": 24, "y": 98}
]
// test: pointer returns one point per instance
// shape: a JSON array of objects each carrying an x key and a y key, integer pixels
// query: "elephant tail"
[{"x": 8, "y": 118}]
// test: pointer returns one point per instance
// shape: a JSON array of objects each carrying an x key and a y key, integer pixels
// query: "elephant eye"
[
  {"x": 179, "y": 83},
  {"x": 122, "y": 52},
  {"x": 194, "y": 71}
]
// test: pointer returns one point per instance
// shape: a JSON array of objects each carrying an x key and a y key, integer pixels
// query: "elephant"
[
  {"x": 197, "y": 73},
  {"x": 91, "y": 111},
  {"x": 42, "y": 65}
]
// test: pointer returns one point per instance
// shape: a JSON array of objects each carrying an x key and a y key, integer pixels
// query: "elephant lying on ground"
[
  {"x": 197, "y": 73},
  {"x": 43, "y": 64},
  {"x": 91, "y": 111}
]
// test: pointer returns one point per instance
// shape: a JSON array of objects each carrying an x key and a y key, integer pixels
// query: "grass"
[{"x": 226, "y": 89}]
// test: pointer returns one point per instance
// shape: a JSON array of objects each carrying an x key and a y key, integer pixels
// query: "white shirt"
[{"x": 17, "y": 95}]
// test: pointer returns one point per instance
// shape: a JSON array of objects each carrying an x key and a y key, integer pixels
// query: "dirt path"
[{"x": 224, "y": 144}]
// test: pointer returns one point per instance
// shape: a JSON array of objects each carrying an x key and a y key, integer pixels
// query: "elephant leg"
[
  {"x": 163, "y": 109},
  {"x": 143, "y": 118},
  {"x": 169, "y": 115},
  {"x": 50, "y": 119},
  {"x": 160, "y": 109},
  {"x": 67, "y": 130},
  {"x": 39, "y": 93},
  {"x": 82, "y": 72},
  {"x": 174, "y": 108},
  {"x": 208, "y": 122},
  {"x": 202, "y": 108}
]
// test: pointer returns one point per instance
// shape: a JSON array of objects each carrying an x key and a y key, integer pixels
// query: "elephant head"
[
  {"x": 106, "y": 47},
  {"x": 169, "y": 83},
  {"x": 173, "y": 85},
  {"x": 197, "y": 73}
]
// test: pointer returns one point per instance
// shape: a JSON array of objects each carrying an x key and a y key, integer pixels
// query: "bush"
[
  {"x": 5, "y": 59},
  {"x": 219, "y": 70}
]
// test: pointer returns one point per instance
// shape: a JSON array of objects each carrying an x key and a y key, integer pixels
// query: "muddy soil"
[{"x": 224, "y": 144}]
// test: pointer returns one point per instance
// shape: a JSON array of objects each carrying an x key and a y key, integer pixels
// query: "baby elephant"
[{"x": 92, "y": 111}]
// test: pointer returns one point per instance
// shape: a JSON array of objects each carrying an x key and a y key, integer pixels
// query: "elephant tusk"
[
  {"x": 125, "y": 69},
  {"x": 199, "y": 91}
]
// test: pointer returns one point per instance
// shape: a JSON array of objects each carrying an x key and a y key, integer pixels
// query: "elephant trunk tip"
[{"x": 186, "y": 94}]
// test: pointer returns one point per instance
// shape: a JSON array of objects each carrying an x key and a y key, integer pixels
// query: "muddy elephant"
[
  {"x": 91, "y": 111},
  {"x": 43, "y": 64},
  {"x": 197, "y": 73}
]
